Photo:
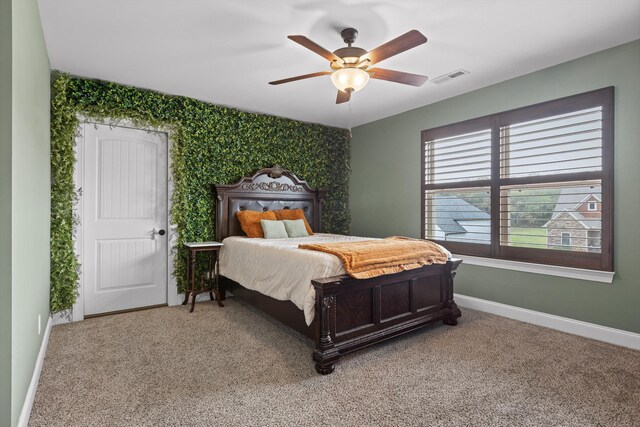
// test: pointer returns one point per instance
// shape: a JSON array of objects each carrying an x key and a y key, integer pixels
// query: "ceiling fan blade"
[
  {"x": 397, "y": 76},
  {"x": 343, "y": 97},
  {"x": 398, "y": 45},
  {"x": 304, "y": 76},
  {"x": 314, "y": 47}
]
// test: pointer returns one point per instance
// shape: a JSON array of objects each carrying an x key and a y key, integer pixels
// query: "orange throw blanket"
[{"x": 372, "y": 258}]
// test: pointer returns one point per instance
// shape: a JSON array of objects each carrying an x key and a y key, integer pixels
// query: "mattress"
[{"x": 279, "y": 269}]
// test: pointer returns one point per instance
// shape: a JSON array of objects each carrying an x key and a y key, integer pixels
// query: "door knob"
[{"x": 155, "y": 232}]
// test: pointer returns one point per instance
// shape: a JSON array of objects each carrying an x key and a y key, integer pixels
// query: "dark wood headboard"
[{"x": 268, "y": 189}]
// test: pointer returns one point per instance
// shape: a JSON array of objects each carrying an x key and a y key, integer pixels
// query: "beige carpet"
[{"x": 234, "y": 366}]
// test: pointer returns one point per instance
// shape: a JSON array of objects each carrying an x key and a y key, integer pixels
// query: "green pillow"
[
  {"x": 295, "y": 227},
  {"x": 273, "y": 229}
]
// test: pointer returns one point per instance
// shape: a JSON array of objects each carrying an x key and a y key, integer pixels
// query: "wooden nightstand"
[{"x": 209, "y": 281}]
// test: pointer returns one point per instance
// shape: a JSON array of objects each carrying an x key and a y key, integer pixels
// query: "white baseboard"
[
  {"x": 23, "y": 421},
  {"x": 564, "y": 324},
  {"x": 174, "y": 298}
]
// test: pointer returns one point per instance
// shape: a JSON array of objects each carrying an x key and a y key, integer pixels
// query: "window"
[{"x": 532, "y": 184}]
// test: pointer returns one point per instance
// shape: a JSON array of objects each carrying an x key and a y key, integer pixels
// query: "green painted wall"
[
  {"x": 30, "y": 202},
  {"x": 385, "y": 185},
  {"x": 5, "y": 212}
]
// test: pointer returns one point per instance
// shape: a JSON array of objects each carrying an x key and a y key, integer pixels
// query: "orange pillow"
[
  {"x": 250, "y": 221},
  {"x": 293, "y": 214}
]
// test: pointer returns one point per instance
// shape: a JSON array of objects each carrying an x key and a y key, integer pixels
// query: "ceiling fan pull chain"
[{"x": 350, "y": 121}]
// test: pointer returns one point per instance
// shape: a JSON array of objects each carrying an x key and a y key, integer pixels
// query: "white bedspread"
[{"x": 277, "y": 268}]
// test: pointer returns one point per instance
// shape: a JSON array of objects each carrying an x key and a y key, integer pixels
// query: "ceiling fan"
[{"x": 351, "y": 65}]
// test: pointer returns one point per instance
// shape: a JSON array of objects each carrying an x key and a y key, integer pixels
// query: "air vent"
[{"x": 449, "y": 76}]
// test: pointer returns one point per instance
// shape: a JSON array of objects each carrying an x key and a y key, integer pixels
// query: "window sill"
[{"x": 550, "y": 270}]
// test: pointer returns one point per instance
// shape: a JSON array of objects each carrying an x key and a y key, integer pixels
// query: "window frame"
[{"x": 603, "y": 261}]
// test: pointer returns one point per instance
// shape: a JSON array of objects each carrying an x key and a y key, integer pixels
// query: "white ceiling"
[{"x": 225, "y": 52}]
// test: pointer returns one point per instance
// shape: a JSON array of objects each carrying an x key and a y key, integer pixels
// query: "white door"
[{"x": 124, "y": 218}]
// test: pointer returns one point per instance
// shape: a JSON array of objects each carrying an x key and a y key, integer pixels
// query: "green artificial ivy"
[{"x": 210, "y": 145}]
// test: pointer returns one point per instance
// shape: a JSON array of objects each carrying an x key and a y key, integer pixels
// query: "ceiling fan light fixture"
[
  {"x": 350, "y": 66},
  {"x": 350, "y": 79}
]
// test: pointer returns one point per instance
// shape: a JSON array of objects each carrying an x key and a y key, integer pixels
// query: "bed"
[{"x": 348, "y": 314}]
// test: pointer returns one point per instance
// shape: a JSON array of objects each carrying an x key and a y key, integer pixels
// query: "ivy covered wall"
[{"x": 210, "y": 145}]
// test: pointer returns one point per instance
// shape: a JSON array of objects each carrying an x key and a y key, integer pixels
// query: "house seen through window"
[{"x": 532, "y": 184}]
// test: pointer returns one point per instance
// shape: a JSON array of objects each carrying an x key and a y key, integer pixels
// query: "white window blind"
[
  {"x": 535, "y": 216},
  {"x": 459, "y": 158},
  {"x": 565, "y": 143}
]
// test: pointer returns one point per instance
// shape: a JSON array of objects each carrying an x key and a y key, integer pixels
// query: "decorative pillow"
[
  {"x": 273, "y": 229},
  {"x": 295, "y": 228},
  {"x": 293, "y": 214},
  {"x": 250, "y": 221}
]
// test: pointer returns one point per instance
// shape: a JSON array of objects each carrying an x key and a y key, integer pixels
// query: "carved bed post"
[
  {"x": 325, "y": 354},
  {"x": 453, "y": 312}
]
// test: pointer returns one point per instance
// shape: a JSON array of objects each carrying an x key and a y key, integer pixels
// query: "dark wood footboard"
[{"x": 353, "y": 313}]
